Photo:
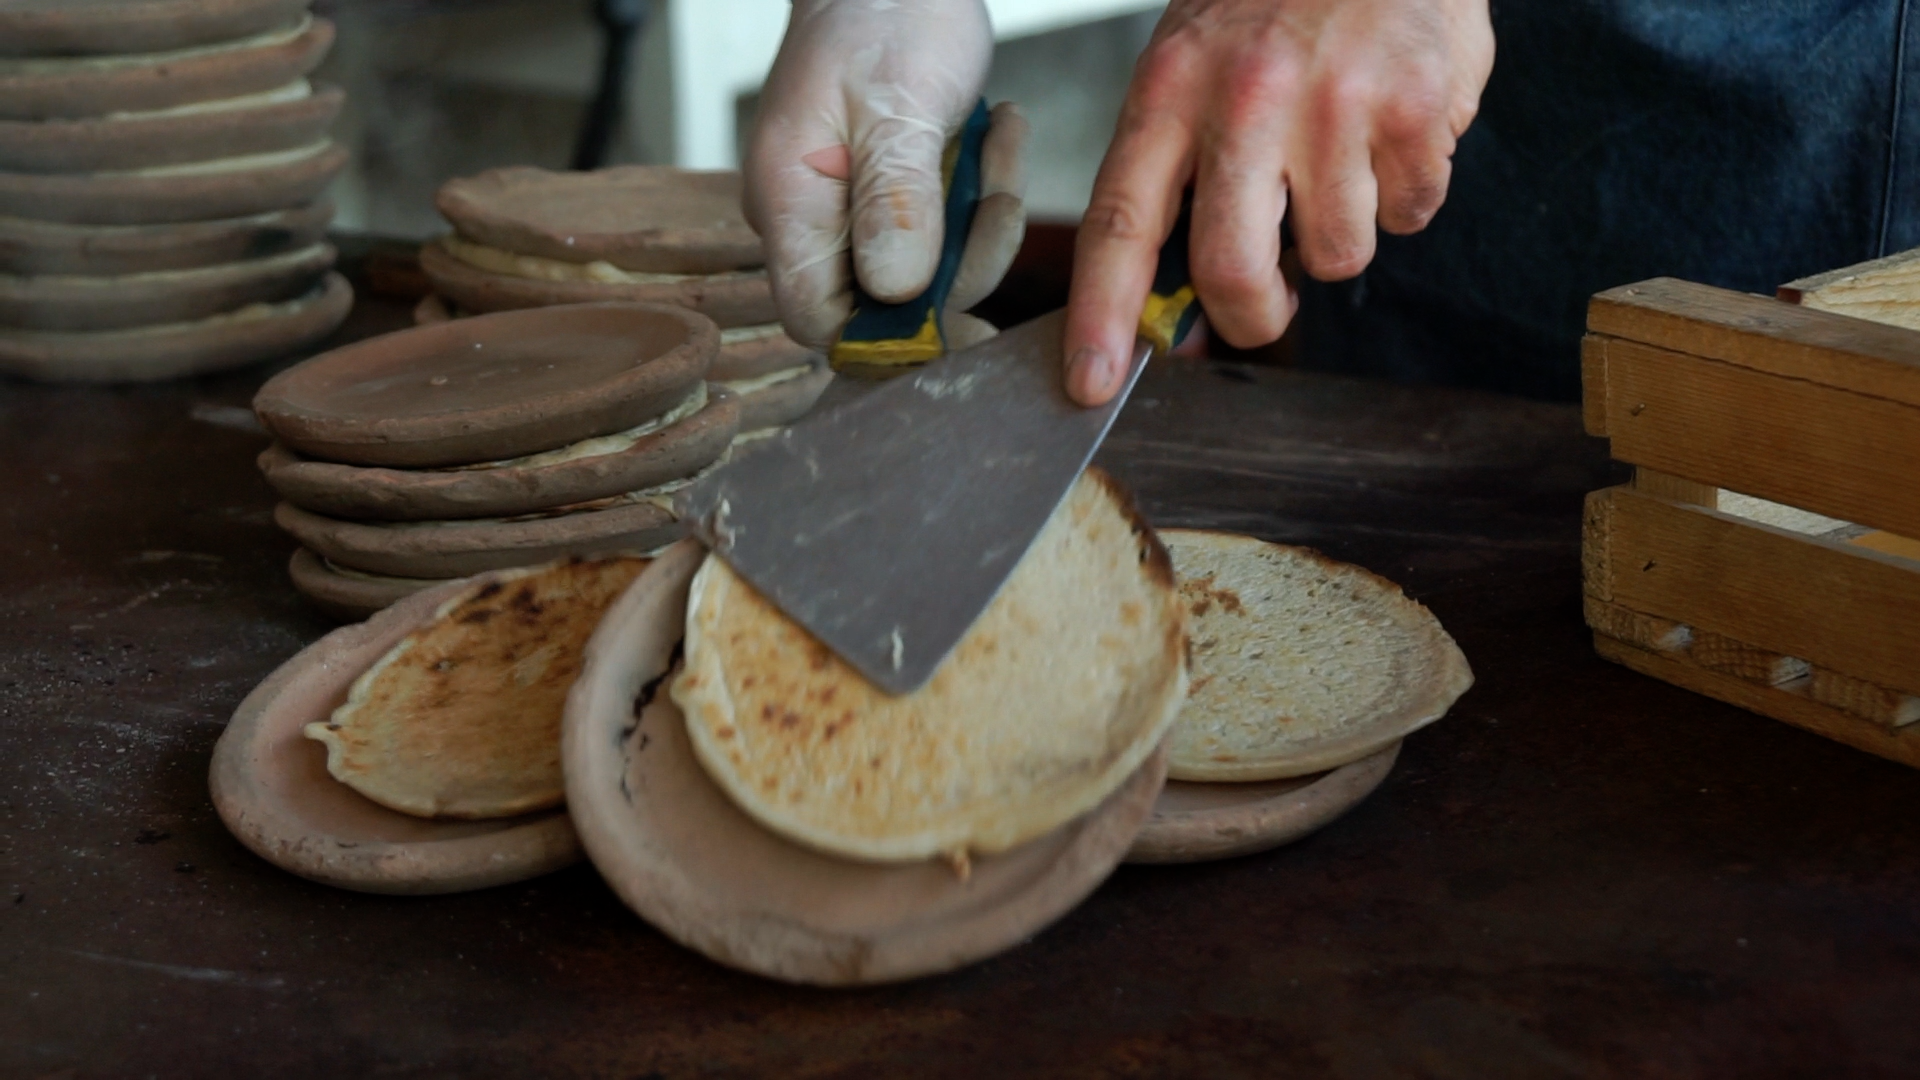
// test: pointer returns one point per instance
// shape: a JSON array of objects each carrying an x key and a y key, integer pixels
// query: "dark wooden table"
[{"x": 1581, "y": 872}]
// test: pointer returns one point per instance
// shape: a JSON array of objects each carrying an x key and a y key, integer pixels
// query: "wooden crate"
[{"x": 1765, "y": 552}]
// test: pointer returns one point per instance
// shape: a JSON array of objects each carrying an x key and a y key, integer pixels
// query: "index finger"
[{"x": 1136, "y": 199}]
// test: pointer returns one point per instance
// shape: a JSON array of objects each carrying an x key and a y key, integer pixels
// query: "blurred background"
[{"x": 443, "y": 88}]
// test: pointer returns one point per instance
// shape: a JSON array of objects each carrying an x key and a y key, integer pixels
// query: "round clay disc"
[
  {"x": 750, "y": 352},
  {"x": 252, "y": 186},
  {"x": 272, "y": 789},
  {"x": 734, "y": 299},
  {"x": 489, "y": 388},
  {"x": 94, "y": 27},
  {"x": 47, "y": 247},
  {"x": 444, "y": 549},
  {"x": 118, "y": 144},
  {"x": 689, "y": 861},
  {"x": 168, "y": 296},
  {"x": 260, "y": 332},
  {"x": 782, "y": 402},
  {"x": 347, "y": 595},
  {"x": 647, "y": 218},
  {"x": 70, "y": 88},
  {"x": 348, "y": 491},
  {"x": 1194, "y": 822}
]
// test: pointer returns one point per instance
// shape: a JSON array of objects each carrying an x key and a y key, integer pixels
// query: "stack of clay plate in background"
[
  {"x": 525, "y": 237},
  {"x": 161, "y": 171},
  {"x": 490, "y": 442}
]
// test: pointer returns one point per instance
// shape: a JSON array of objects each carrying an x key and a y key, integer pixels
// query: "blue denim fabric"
[{"x": 1742, "y": 144}]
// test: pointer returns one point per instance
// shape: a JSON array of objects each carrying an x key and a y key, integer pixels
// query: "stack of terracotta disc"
[
  {"x": 526, "y": 237},
  {"x": 497, "y": 441},
  {"x": 161, "y": 169}
]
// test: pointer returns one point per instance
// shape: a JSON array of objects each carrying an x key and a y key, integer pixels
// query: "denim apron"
[{"x": 1742, "y": 144}]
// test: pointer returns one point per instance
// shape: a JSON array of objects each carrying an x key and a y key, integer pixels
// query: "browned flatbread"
[
  {"x": 781, "y": 402},
  {"x": 110, "y": 144},
  {"x": 756, "y": 351},
  {"x": 169, "y": 296},
  {"x": 349, "y": 595},
  {"x": 491, "y": 387},
  {"x": 735, "y": 299},
  {"x": 98, "y": 27},
  {"x": 143, "y": 199},
  {"x": 149, "y": 354},
  {"x": 35, "y": 89},
  {"x": 271, "y": 788},
  {"x": 46, "y": 247},
  {"x": 445, "y": 549},
  {"x": 461, "y": 719},
  {"x": 346, "y": 491},
  {"x": 649, "y": 218},
  {"x": 686, "y": 857}
]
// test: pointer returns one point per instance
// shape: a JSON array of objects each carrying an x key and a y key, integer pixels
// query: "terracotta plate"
[
  {"x": 169, "y": 296},
  {"x": 69, "y": 88},
  {"x": 739, "y": 299},
  {"x": 47, "y": 247},
  {"x": 680, "y": 853},
  {"x": 785, "y": 401},
  {"x": 178, "y": 349},
  {"x": 444, "y": 549},
  {"x": 1195, "y": 822},
  {"x": 348, "y": 596},
  {"x": 109, "y": 144},
  {"x": 167, "y": 197},
  {"x": 272, "y": 789},
  {"x": 489, "y": 388},
  {"x": 61, "y": 27},
  {"x": 372, "y": 493},
  {"x": 651, "y": 218}
]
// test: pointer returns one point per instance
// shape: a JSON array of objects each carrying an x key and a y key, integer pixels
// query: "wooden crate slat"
[
  {"x": 1834, "y": 452},
  {"x": 1826, "y": 602},
  {"x": 1763, "y": 334},
  {"x": 1863, "y": 699},
  {"x": 1788, "y": 704}
]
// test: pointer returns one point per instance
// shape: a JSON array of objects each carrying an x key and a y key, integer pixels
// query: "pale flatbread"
[
  {"x": 462, "y": 718},
  {"x": 1300, "y": 663},
  {"x": 1059, "y": 692}
]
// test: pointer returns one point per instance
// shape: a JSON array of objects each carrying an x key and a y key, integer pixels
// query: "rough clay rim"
[
  {"x": 1260, "y": 824},
  {"x": 1437, "y": 700},
  {"x": 599, "y": 717},
  {"x": 534, "y": 847}
]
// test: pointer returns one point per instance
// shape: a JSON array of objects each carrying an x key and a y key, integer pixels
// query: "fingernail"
[{"x": 1088, "y": 372}]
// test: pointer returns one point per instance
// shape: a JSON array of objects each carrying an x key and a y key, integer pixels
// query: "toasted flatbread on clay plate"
[
  {"x": 461, "y": 719},
  {"x": 231, "y": 187},
  {"x": 50, "y": 247},
  {"x": 129, "y": 301},
  {"x": 350, "y": 595},
  {"x": 98, "y": 27},
  {"x": 477, "y": 279},
  {"x": 284, "y": 118},
  {"x": 677, "y": 444},
  {"x": 797, "y": 822},
  {"x": 270, "y": 780},
  {"x": 1307, "y": 674},
  {"x": 768, "y": 401}
]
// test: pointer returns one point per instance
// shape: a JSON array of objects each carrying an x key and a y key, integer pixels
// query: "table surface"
[{"x": 1580, "y": 872}]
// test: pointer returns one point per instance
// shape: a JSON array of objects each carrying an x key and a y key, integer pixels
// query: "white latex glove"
[{"x": 845, "y": 156}]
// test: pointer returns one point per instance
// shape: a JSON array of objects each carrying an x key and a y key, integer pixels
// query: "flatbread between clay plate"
[{"x": 1301, "y": 663}]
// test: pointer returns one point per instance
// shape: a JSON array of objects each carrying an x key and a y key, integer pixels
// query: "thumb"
[{"x": 897, "y": 203}]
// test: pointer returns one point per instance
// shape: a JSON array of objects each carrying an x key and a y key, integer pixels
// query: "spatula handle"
[
  {"x": 886, "y": 339},
  {"x": 1172, "y": 306}
]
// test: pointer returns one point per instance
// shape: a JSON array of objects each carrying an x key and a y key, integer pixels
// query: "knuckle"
[
  {"x": 1117, "y": 216},
  {"x": 1337, "y": 254}
]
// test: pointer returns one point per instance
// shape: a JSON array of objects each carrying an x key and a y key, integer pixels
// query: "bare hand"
[{"x": 1348, "y": 108}]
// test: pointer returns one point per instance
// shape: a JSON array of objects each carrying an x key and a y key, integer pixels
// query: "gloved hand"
[
  {"x": 1348, "y": 109},
  {"x": 845, "y": 156}
]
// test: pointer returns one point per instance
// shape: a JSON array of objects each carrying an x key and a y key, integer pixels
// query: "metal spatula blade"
[{"x": 886, "y": 526}]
